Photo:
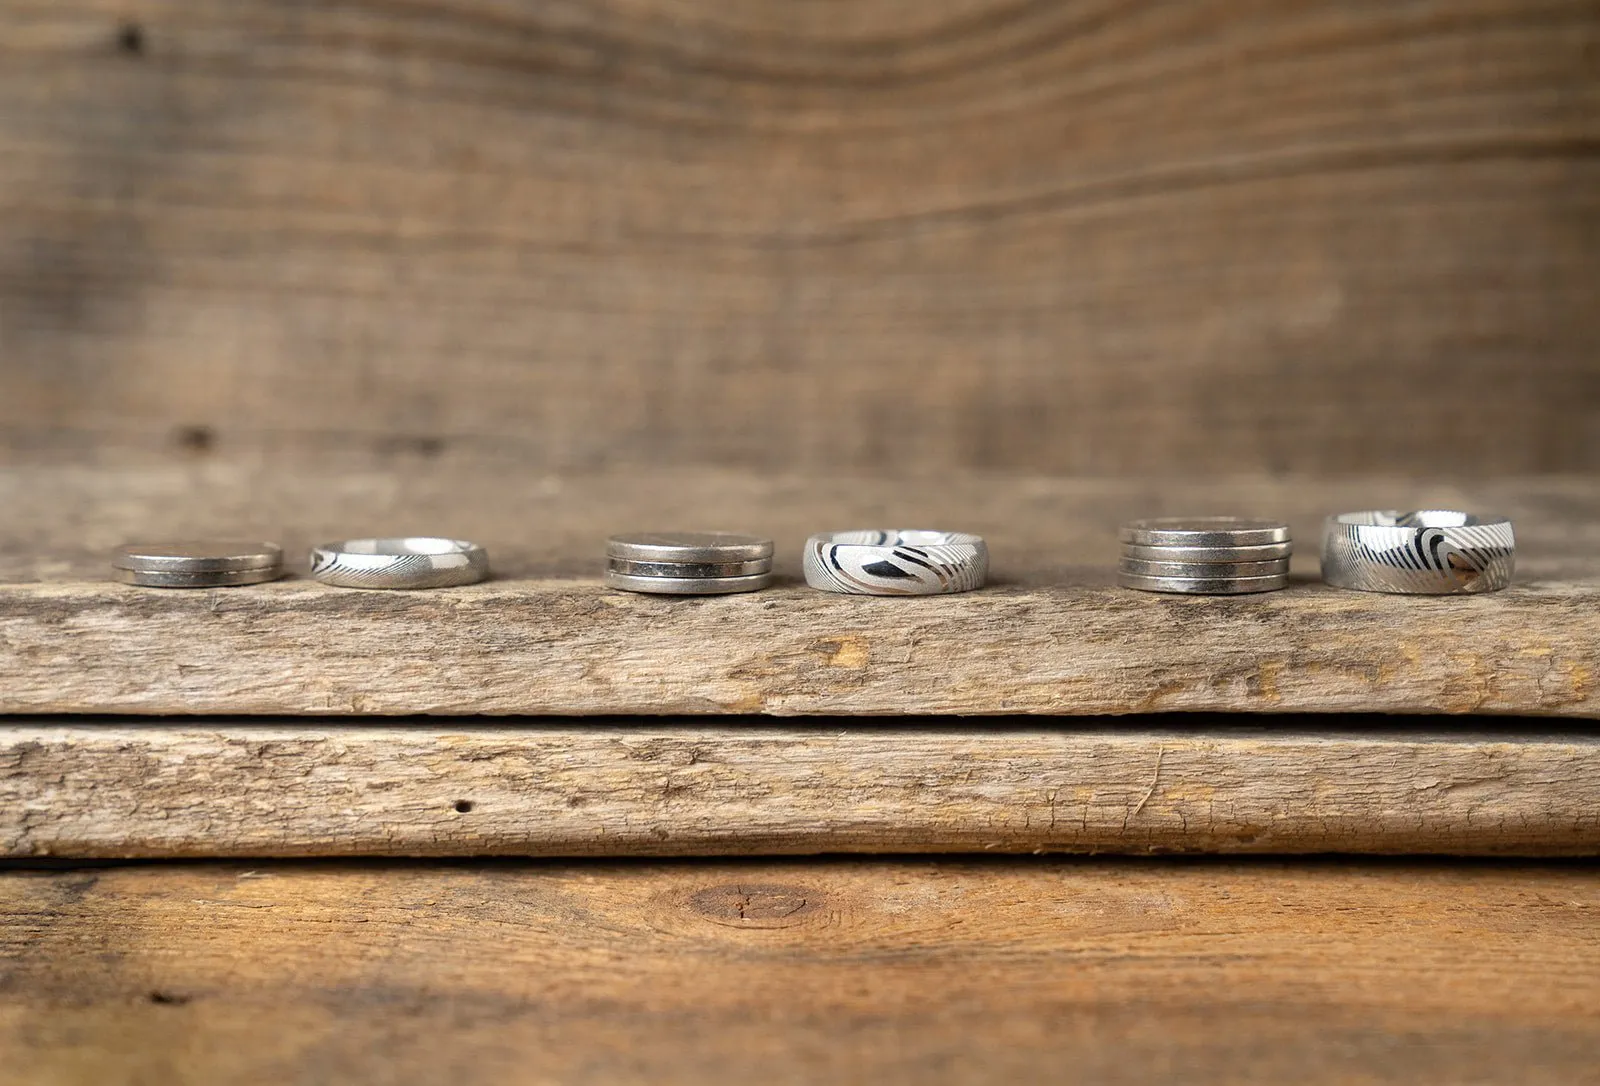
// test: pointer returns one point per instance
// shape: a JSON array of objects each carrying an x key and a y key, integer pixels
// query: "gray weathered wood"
[
  {"x": 94, "y": 791},
  {"x": 1052, "y": 636},
  {"x": 1098, "y": 236},
  {"x": 573, "y": 647}
]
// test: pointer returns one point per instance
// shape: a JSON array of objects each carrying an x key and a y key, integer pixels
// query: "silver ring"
[
  {"x": 403, "y": 562},
  {"x": 220, "y": 579},
  {"x": 687, "y": 586},
  {"x": 1429, "y": 552},
  {"x": 688, "y": 569},
  {"x": 896, "y": 562},
  {"x": 1203, "y": 532},
  {"x": 197, "y": 564},
  {"x": 1203, "y": 586},
  {"x": 1264, "y": 552},
  {"x": 1139, "y": 567},
  {"x": 689, "y": 547}
]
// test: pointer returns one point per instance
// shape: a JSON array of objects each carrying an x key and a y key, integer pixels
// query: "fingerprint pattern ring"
[
  {"x": 1428, "y": 552},
  {"x": 896, "y": 562}
]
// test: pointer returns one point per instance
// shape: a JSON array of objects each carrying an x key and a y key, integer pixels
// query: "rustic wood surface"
[
  {"x": 1096, "y": 237},
  {"x": 1052, "y": 635},
  {"x": 816, "y": 972},
  {"x": 240, "y": 789}
]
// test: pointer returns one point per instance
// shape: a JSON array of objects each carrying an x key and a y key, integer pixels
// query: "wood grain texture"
[
  {"x": 817, "y": 972},
  {"x": 1051, "y": 636},
  {"x": 1100, "y": 237},
  {"x": 104, "y": 791}
]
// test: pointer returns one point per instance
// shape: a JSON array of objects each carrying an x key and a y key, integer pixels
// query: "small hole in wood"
[
  {"x": 130, "y": 39},
  {"x": 463, "y": 806},
  {"x": 196, "y": 439},
  {"x": 168, "y": 999},
  {"x": 424, "y": 445}
]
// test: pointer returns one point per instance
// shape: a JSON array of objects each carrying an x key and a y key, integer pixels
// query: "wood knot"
[{"x": 746, "y": 905}]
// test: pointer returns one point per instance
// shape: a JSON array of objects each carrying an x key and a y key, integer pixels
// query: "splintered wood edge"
[
  {"x": 90, "y": 791},
  {"x": 572, "y": 647}
]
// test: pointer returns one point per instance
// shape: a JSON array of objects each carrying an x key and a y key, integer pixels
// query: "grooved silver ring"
[
  {"x": 895, "y": 562},
  {"x": 399, "y": 562},
  {"x": 1433, "y": 552}
]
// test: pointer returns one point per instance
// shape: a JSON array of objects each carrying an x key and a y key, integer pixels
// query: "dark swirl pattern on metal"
[
  {"x": 1434, "y": 552},
  {"x": 896, "y": 562}
]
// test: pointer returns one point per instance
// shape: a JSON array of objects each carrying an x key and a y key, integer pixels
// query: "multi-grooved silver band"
[
  {"x": 407, "y": 562},
  {"x": 1432, "y": 552},
  {"x": 896, "y": 562}
]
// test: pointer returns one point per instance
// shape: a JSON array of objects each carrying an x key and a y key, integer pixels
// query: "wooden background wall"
[{"x": 1048, "y": 235}]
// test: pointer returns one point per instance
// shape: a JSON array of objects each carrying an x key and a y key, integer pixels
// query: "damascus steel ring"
[
  {"x": 1434, "y": 552},
  {"x": 407, "y": 562},
  {"x": 896, "y": 562}
]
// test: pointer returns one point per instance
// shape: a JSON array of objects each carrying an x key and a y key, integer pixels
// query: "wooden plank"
[
  {"x": 1051, "y": 636},
  {"x": 1099, "y": 237},
  {"x": 802, "y": 972},
  {"x": 95, "y": 791}
]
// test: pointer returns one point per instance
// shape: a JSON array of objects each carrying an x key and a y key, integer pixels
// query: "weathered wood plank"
[
  {"x": 816, "y": 972},
  {"x": 573, "y": 647},
  {"x": 1052, "y": 636},
  {"x": 1101, "y": 237},
  {"x": 90, "y": 791}
]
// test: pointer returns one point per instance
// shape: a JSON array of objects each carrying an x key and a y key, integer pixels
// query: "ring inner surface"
[
  {"x": 1420, "y": 518},
  {"x": 900, "y": 537},
  {"x": 402, "y": 546}
]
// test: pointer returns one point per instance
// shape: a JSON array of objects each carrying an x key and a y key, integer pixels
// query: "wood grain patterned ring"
[{"x": 402, "y": 562}]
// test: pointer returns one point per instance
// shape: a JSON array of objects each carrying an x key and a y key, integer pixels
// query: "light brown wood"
[
  {"x": 818, "y": 972},
  {"x": 1098, "y": 237},
  {"x": 82, "y": 790},
  {"x": 1052, "y": 635}
]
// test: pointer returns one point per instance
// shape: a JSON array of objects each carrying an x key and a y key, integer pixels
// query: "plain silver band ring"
[
  {"x": 1433, "y": 552},
  {"x": 896, "y": 562},
  {"x": 400, "y": 562}
]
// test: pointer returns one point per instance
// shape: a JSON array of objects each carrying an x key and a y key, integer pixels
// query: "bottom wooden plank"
[
  {"x": 1006, "y": 970},
  {"x": 250, "y": 789}
]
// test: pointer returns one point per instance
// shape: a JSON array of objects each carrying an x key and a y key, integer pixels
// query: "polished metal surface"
[
  {"x": 198, "y": 556},
  {"x": 216, "y": 579},
  {"x": 1203, "y": 586},
  {"x": 687, "y": 586},
  {"x": 1432, "y": 552},
  {"x": 1276, "y": 567},
  {"x": 401, "y": 562},
  {"x": 699, "y": 547},
  {"x": 896, "y": 562},
  {"x": 1203, "y": 532},
  {"x": 1175, "y": 553},
  {"x": 689, "y": 569}
]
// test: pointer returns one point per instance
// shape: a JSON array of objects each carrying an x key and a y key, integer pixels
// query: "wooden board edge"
[{"x": 122, "y": 791}]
